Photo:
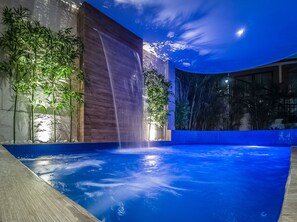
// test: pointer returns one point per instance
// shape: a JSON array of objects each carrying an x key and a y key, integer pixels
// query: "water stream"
[
  {"x": 112, "y": 88},
  {"x": 126, "y": 81}
]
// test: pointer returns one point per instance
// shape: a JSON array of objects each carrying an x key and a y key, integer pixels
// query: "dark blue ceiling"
[{"x": 210, "y": 36}]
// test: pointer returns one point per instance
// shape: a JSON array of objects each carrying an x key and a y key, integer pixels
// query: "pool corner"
[{"x": 27, "y": 198}]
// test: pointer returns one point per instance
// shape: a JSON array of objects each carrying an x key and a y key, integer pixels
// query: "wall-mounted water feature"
[
  {"x": 128, "y": 122},
  {"x": 112, "y": 63}
]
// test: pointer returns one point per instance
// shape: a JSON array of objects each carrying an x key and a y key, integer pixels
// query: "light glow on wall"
[
  {"x": 44, "y": 130},
  {"x": 153, "y": 133}
]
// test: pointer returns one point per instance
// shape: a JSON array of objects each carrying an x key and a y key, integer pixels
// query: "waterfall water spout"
[
  {"x": 126, "y": 80},
  {"x": 112, "y": 88}
]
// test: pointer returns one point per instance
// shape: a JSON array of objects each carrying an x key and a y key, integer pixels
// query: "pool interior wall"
[
  {"x": 251, "y": 137},
  {"x": 179, "y": 137}
]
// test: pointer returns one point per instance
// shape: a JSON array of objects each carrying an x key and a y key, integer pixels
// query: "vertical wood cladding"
[{"x": 99, "y": 111}]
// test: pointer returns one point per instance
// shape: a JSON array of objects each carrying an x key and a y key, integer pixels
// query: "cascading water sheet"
[{"x": 128, "y": 105}]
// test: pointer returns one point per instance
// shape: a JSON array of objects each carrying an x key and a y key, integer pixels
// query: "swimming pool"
[{"x": 176, "y": 183}]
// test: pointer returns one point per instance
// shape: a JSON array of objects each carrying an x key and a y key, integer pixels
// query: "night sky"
[{"x": 210, "y": 36}]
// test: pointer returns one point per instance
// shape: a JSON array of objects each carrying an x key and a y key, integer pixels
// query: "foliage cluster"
[
  {"x": 220, "y": 102},
  {"x": 41, "y": 65},
  {"x": 199, "y": 101},
  {"x": 157, "y": 91}
]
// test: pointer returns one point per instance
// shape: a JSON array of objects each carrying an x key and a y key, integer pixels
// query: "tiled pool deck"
[
  {"x": 24, "y": 197},
  {"x": 289, "y": 211}
]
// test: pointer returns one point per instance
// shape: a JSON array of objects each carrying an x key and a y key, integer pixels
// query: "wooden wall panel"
[{"x": 99, "y": 112}]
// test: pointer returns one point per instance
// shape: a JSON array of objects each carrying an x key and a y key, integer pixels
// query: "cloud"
[
  {"x": 175, "y": 46},
  {"x": 175, "y": 14},
  {"x": 192, "y": 35},
  {"x": 167, "y": 11},
  {"x": 170, "y": 35},
  {"x": 162, "y": 49},
  {"x": 186, "y": 64},
  {"x": 150, "y": 48}
]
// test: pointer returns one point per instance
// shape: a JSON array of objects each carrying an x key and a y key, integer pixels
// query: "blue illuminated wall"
[
  {"x": 179, "y": 137},
  {"x": 252, "y": 138},
  {"x": 260, "y": 138}
]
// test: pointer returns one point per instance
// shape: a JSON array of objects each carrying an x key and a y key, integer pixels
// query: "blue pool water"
[{"x": 167, "y": 184}]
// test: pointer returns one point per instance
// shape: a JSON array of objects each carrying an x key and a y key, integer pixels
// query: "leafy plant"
[
  {"x": 14, "y": 48},
  {"x": 263, "y": 107},
  {"x": 42, "y": 65},
  {"x": 63, "y": 50},
  {"x": 200, "y": 102},
  {"x": 157, "y": 91},
  {"x": 182, "y": 105},
  {"x": 32, "y": 81},
  {"x": 182, "y": 112}
]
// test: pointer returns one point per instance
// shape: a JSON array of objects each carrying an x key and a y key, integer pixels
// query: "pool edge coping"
[
  {"x": 289, "y": 207},
  {"x": 23, "y": 202}
]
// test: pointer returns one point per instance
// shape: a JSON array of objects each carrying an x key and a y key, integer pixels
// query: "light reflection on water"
[{"x": 188, "y": 183}]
